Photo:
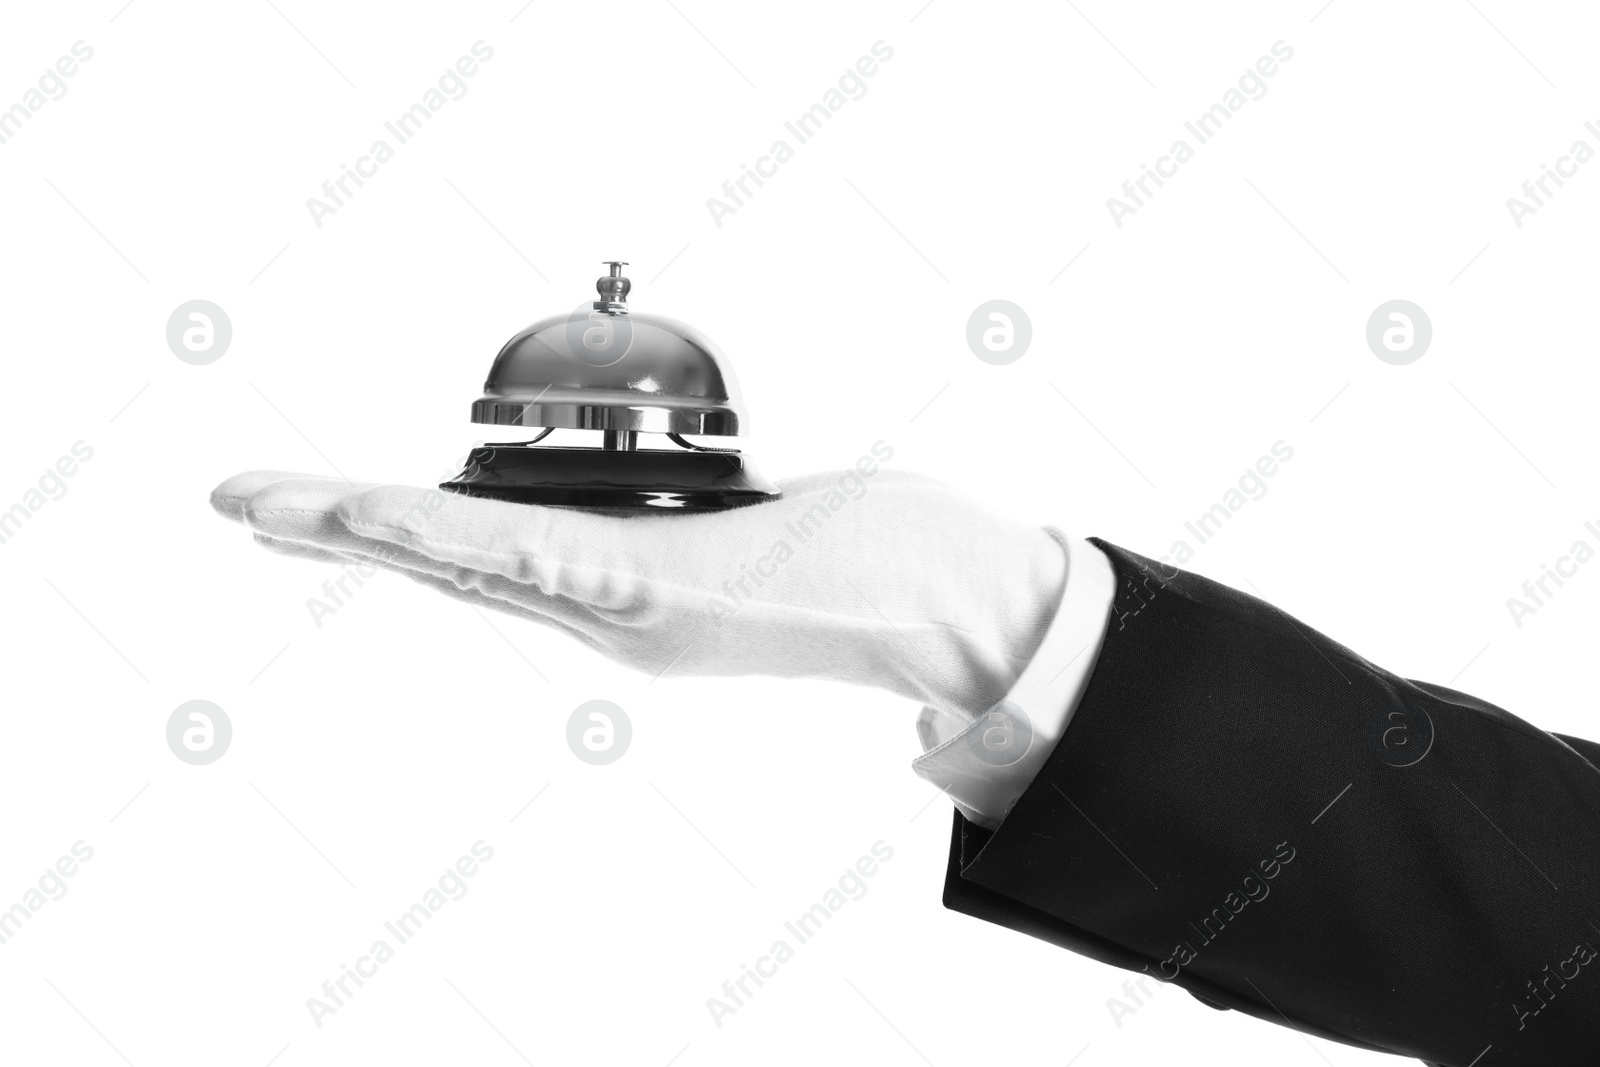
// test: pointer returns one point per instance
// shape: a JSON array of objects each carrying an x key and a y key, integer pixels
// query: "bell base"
[{"x": 622, "y": 479}]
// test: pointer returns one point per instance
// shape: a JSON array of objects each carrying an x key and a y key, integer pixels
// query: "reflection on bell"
[{"x": 630, "y": 376}]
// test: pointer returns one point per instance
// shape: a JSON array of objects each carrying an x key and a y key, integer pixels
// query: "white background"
[{"x": 1227, "y": 314}]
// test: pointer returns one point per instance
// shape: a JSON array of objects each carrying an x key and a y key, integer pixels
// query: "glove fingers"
[
  {"x": 558, "y": 552},
  {"x": 304, "y": 511},
  {"x": 298, "y": 517},
  {"x": 301, "y": 508},
  {"x": 460, "y": 588},
  {"x": 631, "y": 572},
  {"x": 229, "y": 498}
]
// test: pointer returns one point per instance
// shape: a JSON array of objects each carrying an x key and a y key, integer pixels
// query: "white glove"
[{"x": 885, "y": 579}]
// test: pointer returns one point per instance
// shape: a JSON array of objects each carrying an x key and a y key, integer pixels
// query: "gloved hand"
[{"x": 890, "y": 579}]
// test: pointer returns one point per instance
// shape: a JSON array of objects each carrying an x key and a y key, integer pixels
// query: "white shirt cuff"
[{"x": 986, "y": 765}]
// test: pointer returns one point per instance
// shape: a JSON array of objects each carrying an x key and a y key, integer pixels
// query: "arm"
[
  {"x": 1251, "y": 811},
  {"x": 1210, "y": 793}
]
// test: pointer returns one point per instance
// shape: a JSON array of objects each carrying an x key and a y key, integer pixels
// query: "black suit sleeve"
[{"x": 1253, "y": 812}]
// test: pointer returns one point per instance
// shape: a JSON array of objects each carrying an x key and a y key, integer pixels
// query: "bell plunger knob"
[{"x": 613, "y": 289}]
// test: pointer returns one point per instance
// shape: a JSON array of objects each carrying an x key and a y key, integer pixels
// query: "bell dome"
[{"x": 604, "y": 367}]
